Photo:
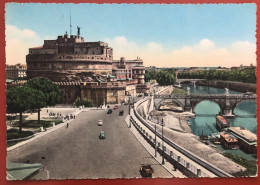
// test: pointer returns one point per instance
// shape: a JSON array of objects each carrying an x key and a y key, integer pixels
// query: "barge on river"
[{"x": 221, "y": 122}]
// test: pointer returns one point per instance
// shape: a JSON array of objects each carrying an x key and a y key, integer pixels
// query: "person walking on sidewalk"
[{"x": 67, "y": 125}]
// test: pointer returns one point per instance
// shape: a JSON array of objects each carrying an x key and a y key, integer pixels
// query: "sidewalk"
[
  {"x": 168, "y": 166},
  {"x": 51, "y": 129}
]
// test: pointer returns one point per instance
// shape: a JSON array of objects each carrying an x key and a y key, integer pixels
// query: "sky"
[{"x": 163, "y": 35}]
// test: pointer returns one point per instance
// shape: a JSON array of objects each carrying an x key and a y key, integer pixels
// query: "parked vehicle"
[
  {"x": 121, "y": 113},
  {"x": 100, "y": 122},
  {"x": 109, "y": 111},
  {"x": 102, "y": 135},
  {"x": 146, "y": 171},
  {"x": 115, "y": 107}
]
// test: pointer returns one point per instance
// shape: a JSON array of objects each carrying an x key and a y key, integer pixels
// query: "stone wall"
[
  {"x": 234, "y": 86},
  {"x": 69, "y": 93}
]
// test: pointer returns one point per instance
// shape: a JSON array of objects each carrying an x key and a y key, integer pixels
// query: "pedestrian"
[
  {"x": 47, "y": 110},
  {"x": 74, "y": 116},
  {"x": 67, "y": 125},
  {"x": 175, "y": 166}
]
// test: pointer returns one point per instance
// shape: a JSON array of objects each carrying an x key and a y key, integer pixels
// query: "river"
[{"x": 205, "y": 120}]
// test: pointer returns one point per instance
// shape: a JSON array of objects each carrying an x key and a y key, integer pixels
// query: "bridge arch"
[
  {"x": 211, "y": 100},
  {"x": 174, "y": 100},
  {"x": 242, "y": 101}
]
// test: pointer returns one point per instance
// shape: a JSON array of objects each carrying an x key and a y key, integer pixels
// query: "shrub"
[{"x": 85, "y": 101}]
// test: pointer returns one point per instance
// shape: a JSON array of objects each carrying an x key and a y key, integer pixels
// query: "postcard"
[{"x": 122, "y": 91}]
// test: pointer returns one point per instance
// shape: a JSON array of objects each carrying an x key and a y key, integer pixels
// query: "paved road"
[{"x": 77, "y": 152}]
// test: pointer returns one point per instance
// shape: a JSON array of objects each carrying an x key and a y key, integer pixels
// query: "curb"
[
  {"x": 127, "y": 118},
  {"x": 49, "y": 130}
]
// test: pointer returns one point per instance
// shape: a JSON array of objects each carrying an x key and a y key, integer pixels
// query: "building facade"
[
  {"x": 16, "y": 71},
  {"x": 86, "y": 69}
]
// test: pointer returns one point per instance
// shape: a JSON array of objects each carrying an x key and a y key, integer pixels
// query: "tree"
[
  {"x": 85, "y": 101},
  {"x": 50, "y": 91},
  {"x": 20, "y": 99},
  {"x": 165, "y": 78}
]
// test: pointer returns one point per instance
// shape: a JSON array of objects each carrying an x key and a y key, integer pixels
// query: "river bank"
[
  {"x": 177, "y": 130},
  {"x": 231, "y": 85}
]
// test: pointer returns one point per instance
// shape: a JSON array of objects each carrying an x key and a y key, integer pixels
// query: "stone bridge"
[
  {"x": 178, "y": 81},
  {"x": 226, "y": 102}
]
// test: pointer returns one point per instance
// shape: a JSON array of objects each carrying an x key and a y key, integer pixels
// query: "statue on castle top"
[{"x": 78, "y": 31}]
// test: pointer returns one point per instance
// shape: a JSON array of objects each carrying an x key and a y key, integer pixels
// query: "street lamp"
[
  {"x": 129, "y": 111},
  {"x": 162, "y": 124},
  {"x": 128, "y": 104},
  {"x": 155, "y": 146}
]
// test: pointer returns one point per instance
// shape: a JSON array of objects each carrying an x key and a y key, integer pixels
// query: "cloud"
[
  {"x": 203, "y": 53},
  {"x": 122, "y": 47},
  {"x": 18, "y": 42},
  {"x": 206, "y": 43}
]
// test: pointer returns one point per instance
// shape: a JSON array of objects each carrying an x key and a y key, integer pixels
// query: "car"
[
  {"x": 102, "y": 135},
  {"x": 100, "y": 122},
  {"x": 115, "y": 107},
  {"x": 126, "y": 103},
  {"x": 109, "y": 111},
  {"x": 121, "y": 113}
]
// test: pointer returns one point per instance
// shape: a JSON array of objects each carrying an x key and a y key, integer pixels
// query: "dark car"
[
  {"x": 102, "y": 135},
  {"x": 109, "y": 111},
  {"x": 146, "y": 171},
  {"x": 121, "y": 113}
]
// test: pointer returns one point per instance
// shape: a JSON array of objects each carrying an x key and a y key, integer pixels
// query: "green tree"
[
  {"x": 85, "y": 101},
  {"x": 20, "y": 99},
  {"x": 51, "y": 93},
  {"x": 165, "y": 78}
]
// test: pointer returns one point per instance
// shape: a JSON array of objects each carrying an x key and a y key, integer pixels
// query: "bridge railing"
[
  {"x": 143, "y": 126},
  {"x": 230, "y": 96}
]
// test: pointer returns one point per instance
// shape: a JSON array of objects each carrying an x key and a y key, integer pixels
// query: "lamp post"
[
  {"x": 162, "y": 143},
  {"x": 155, "y": 145},
  {"x": 129, "y": 111},
  {"x": 129, "y": 104}
]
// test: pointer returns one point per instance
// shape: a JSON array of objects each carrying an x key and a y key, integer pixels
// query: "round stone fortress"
[
  {"x": 69, "y": 57},
  {"x": 86, "y": 69}
]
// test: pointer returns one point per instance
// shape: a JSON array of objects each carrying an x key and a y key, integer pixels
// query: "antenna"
[{"x": 70, "y": 21}]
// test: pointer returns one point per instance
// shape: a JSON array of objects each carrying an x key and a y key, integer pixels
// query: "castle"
[{"x": 86, "y": 69}]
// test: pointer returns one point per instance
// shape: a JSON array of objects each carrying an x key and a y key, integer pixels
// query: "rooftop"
[
  {"x": 222, "y": 119},
  {"x": 228, "y": 137},
  {"x": 244, "y": 133}
]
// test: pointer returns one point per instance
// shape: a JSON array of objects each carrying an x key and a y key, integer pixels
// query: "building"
[
  {"x": 86, "y": 69},
  {"x": 247, "y": 140},
  {"x": 221, "y": 122},
  {"x": 16, "y": 71},
  {"x": 69, "y": 58},
  {"x": 228, "y": 140}
]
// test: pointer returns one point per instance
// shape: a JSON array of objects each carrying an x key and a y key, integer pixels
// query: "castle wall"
[{"x": 69, "y": 93}]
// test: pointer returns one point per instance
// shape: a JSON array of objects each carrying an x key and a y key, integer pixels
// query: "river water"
[{"x": 205, "y": 120}]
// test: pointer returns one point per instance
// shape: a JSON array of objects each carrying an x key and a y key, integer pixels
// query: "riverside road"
[{"x": 77, "y": 152}]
